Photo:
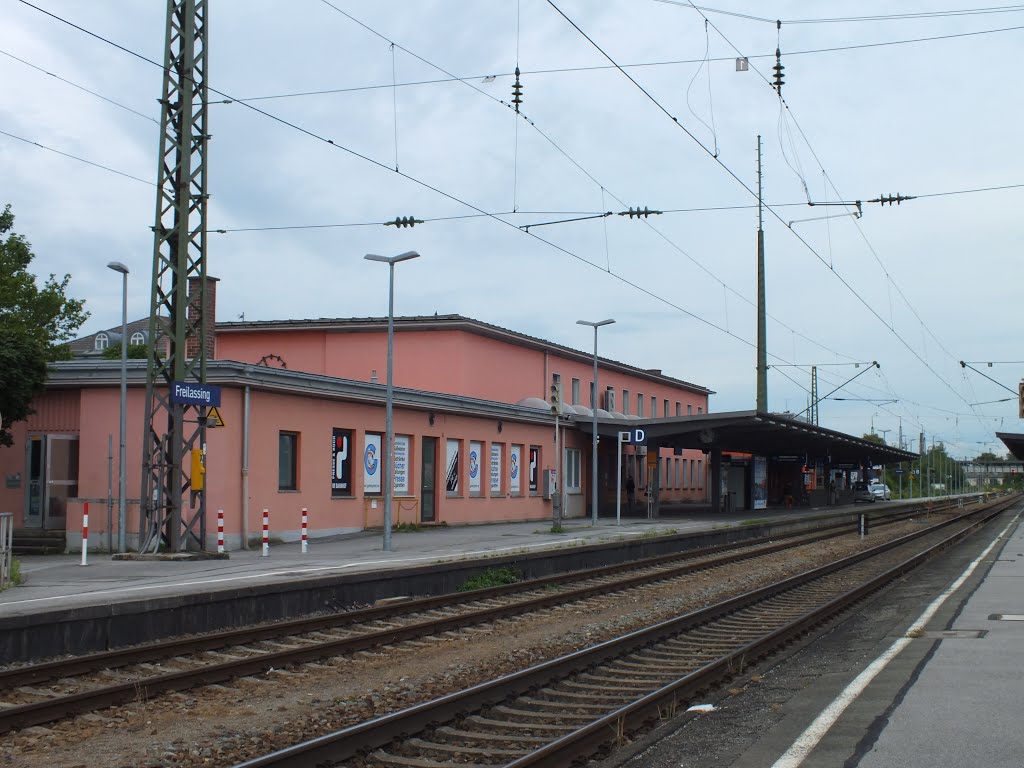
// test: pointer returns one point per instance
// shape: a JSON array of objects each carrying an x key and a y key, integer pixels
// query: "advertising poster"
[
  {"x": 451, "y": 474},
  {"x": 475, "y": 471},
  {"x": 371, "y": 464},
  {"x": 515, "y": 457},
  {"x": 400, "y": 483},
  {"x": 760, "y": 482},
  {"x": 341, "y": 462},
  {"x": 534, "y": 468},
  {"x": 496, "y": 468}
]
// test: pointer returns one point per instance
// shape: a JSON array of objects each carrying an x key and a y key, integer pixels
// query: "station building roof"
[
  {"x": 1014, "y": 442},
  {"x": 761, "y": 434}
]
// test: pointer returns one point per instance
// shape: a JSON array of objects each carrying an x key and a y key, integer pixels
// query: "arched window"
[
  {"x": 102, "y": 341},
  {"x": 138, "y": 338}
]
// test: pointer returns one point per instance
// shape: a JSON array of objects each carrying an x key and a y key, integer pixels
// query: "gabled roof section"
[
  {"x": 448, "y": 323},
  {"x": 86, "y": 345}
]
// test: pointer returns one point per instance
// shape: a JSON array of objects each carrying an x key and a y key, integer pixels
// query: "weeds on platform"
[
  {"x": 407, "y": 528},
  {"x": 492, "y": 577},
  {"x": 15, "y": 576}
]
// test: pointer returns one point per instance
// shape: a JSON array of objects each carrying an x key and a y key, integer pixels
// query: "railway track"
[
  {"x": 567, "y": 709},
  {"x": 46, "y": 692}
]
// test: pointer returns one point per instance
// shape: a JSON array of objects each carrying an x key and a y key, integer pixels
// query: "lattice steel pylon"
[
  {"x": 814, "y": 395},
  {"x": 177, "y": 335}
]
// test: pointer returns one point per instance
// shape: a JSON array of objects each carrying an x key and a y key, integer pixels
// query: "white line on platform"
[{"x": 814, "y": 733}]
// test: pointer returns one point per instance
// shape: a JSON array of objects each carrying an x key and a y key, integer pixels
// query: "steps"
[{"x": 32, "y": 541}]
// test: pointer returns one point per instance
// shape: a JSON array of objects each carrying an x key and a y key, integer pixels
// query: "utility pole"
[
  {"x": 177, "y": 320},
  {"x": 762, "y": 335}
]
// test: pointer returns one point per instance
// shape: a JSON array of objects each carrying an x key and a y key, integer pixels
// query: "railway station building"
[{"x": 303, "y": 406}]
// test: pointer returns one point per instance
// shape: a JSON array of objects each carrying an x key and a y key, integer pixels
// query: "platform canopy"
[
  {"x": 1014, "y": 442},
  {"x": 761, "y": 434}
]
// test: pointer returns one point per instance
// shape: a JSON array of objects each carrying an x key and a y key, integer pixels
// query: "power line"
[
  {"x": 79, "y": 87},
  {"x": 79, "y": 159},
  {"x": 846, "y": 19}
]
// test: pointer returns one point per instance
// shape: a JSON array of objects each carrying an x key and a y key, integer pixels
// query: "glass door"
[
  {"x": 428, "y": 508},
  {"x": 61, "y": 479},
  {"x": 36, "y": 462}
]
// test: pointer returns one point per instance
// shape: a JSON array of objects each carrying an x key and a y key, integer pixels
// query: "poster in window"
[
  {"x": 475, "y": 484},
  {"x": 514, "y": 458},
  {"x": 760, "y": 482},
  {"x": 452, "y": 468},
  {"x": 534, "y": 467},
  {"x": 371, "y": 464},
  {"x": 400, "y": 481},
  {"x": 341, "y": 463},
  {"x": 496, "y": 469}
]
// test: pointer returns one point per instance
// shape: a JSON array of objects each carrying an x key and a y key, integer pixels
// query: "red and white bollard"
[
  {"x": 266, "y": 533},
  {"x": 305, "y": 542},
  {"x": 85, "y": 535},
  {"x": 220, "y": 531}
]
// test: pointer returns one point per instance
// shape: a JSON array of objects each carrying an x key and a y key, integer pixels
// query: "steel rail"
[
  {"x": 363, "y": 738},
  {"x": 159, "y": 651},
  {"x": 50, "y": 709}
]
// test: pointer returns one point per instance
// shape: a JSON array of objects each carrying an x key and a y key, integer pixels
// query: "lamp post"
[
  {"x": 389, "y": 450},
  {"x": 593, "y": 465},
  {"x": 122, "y": 509}
]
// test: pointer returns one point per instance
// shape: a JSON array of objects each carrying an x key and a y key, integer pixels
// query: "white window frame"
[
  {"x": 101, "y": 342},
  {"x": 137, "y": 338},
  {"x": 573, "y": 470}
]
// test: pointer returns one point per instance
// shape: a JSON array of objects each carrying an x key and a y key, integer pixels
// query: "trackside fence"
[{"x": 6, "y": 545}]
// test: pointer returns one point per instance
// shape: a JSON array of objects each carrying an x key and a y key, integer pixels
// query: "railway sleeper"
[
  {"x": 560, "y": 705},
  {"x": 452, "y": 749},
  {"x": 524, "y": 713},
  {"x": 511, "y": 738},
  {"x": 416, "y": 762},
  {"x": 600, "y": 686},
  {"x": 617, "y": 698},
  {"x": 514, "y": 726}
]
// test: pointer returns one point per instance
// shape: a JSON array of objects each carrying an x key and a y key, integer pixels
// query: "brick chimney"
[{"x": 192, "y": 345}]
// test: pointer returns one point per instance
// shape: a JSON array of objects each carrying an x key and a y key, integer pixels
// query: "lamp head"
[{"x": 117, "y": 266}]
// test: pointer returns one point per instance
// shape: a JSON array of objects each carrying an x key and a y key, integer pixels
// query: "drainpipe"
[{"x": 245, "y": 473}]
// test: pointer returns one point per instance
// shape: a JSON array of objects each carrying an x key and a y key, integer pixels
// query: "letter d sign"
[{"x": 639, "y": 437}]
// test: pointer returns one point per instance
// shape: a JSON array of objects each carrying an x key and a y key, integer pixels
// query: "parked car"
[
  {"x": 881, "y": 491},
  {"x": 862, "y": 492}
]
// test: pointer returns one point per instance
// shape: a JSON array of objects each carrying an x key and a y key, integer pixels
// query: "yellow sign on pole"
[{"x": 213, "y": 418}]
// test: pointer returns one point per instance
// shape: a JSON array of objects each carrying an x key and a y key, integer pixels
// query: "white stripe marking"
[{"x": 810, "y": 738}]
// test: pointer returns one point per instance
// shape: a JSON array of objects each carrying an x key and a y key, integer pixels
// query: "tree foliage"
[
  {"x": 135, "y": 352},
  {"x": 34, "y": 323}
]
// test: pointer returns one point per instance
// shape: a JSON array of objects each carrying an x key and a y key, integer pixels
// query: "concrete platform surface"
[{"x": 58, "y": 582}]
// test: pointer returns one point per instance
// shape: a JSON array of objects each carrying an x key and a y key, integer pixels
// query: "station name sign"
[
  {"x": 635, "y": 436},
  {"x": 192, "y": 393}
]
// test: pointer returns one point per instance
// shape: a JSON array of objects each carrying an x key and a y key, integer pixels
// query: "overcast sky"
[{"x": 917, "y": 287}]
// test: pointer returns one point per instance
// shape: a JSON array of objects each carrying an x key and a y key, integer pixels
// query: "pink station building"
[{"x": 303, "y": 405}]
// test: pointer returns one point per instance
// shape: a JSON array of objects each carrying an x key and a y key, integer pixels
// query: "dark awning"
[
  {"x": 762, "y": 434},
  {"x": 1014, "y": 441}
]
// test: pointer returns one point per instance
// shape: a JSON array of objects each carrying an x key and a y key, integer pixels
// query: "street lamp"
[
  {"x": 122, "y": 491},
  {"x": 389, "y": 451},
  {"x": 593, "y": 466}
]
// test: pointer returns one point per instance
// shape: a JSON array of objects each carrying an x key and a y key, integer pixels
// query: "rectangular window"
[
  {"x": 452, "y": 471},
  {"x": 373, "y": 461},
  {"x": 664, "y": 409},
  {"x": 676, "y": 474},
  {"x": 341, "y": 463},
  {"x": 288, "y": 461},
  {"x": 654, "y": 407},
  {"x": 515, "y": 470},
  {"x": 700, "y": 474},
  {"x": 689, "y": 409},
  {"x": 575, "y": 391},
  {"x": 679, "y": 408},
  {"x": 497, "y": 451},
  {"x": 625, "y": 402},
  {"x": 573, "y": 458},
  {"x": 692, "y": 462},
  {"x": 686, "y": 475},
  {"x": 476, "y": 460},
  {"x": 400, "y": 471},
  {"x": 664, "y": 473},
  {"x": 534, "y": 470},
  {"x": 640, "y": 404},
  {"x": 699, "y": 409},
  {"x": 609, "y": 399}
]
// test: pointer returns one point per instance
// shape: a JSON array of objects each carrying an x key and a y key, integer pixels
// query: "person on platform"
[
  {"x": 787, "y": 494},
  {"x": 630, "y": 491}
]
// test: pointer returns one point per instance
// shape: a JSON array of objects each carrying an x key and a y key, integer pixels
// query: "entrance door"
[
  {"x": 61, "y": 479},
  {"x": 36, "y": 463},
  {"x": 428, "y": 480}
]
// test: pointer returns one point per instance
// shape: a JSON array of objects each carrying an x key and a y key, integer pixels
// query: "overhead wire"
[{"x": 76, "y": 157}]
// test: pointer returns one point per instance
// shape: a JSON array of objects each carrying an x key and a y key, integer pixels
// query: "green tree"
[
  {"x": 34, "y": 323},
  {"x": 135, "y": 352},
  {"x": 987, "y": 456},
  {"x": 871, "y": 438}
]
